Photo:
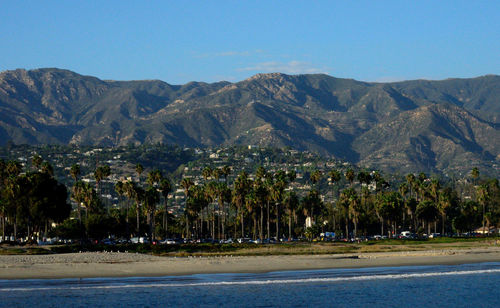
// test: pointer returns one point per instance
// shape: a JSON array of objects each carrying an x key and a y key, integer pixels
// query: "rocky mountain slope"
[{"x": 448, "y": 126}]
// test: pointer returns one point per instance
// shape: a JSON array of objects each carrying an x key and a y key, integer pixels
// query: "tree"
[
  {"x": 335, "y": 177},
  {"x": 165, "y": 188},
  {"x": 475, "y": 174},
  {"x": 47, "y": 168},
  {"x": 349, "y": 175},
  {"x": 47, "y": 200},
  {"x": 352, "y": 199},
  {"x": 139, "y": 169},
  {"x": 388, "y": 207},
  {"x": 241, "y": 188},
  {"x": 482, "y": 198},
  {"x": 14, "y": 192},
  {"x": 154, "y": 177},
  {"x": 428, "y": 212},
  {"x": 206, "y": 173},
  {"x": 291, "y": 202},
  {"x": 36, "y": 161},
  {"x": 315, "y": 177},
  {"x": 226, "y": 170},
  {"x": 186, "y": 183},
  {"x": 151, "y": 198},
  {"x": 445, "y": 202},
  {"x": 223, "y": 195},
  {"x": 280, "y": 183},
  {"x": 410, "y": 179}
]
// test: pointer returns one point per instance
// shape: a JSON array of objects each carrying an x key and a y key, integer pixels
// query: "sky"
[{"x": 182, "y": 41}]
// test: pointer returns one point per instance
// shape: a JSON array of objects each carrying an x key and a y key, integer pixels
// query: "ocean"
[{"x": 469, "y": 285}]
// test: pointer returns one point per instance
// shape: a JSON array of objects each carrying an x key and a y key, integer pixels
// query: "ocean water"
[{"x": 469, "y": 285}]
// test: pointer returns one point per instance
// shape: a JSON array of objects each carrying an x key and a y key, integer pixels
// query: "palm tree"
[
  {"x": 261, "y": 196},
  {"x": 268, "y": 184},
  {"x": 241, "y": 187},
  {"x": 154, "y": 177},
  {"x": 75, "y": 173},
  {"x": 165, "y": 188},
  {"x": 129, "y": 191},
  {"x": 3, "y": 178},
  {"x": 291, "y": 201},
  {"x": 475, "y": 174},
  {"x": 410, "y": 179},
  {"x": 403, "y": 190},
  {"x": 482, "y": 198},
  {"x": 315, "y": 177},
  {"x": 139, "y": 169},
  {"x": 37, "y": 161},
  {"x": 100, "y": 174},
  {"x": 428, "y": 212},
  {"x": 216, "y": 173},
  {"x": 13, "y": 191},
  {"x": 354, "y": 209},
  {"x": 206, "y": 173},
  {"x": 226, "y": 170},
  {"x": 250, "y": 205},
  {"x": 335, "y": 177},
  {"x": 186, "y": 183},
  {"x": 445, "y": 201},
  {"x": 277, "y": 190},
  {"x": 151, "y": 198},
  {"x": 349, "y": 175},
  {"x": 47, "y": 168}
]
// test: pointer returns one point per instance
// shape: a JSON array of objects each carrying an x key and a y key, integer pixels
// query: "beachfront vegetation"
[{"x": 267, "y": 195}]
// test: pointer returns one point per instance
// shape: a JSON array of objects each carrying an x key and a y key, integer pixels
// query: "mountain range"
[{"x": 446, "y": 126}]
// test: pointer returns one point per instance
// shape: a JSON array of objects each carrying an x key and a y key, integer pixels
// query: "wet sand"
[{"x": 102, "y": 264}]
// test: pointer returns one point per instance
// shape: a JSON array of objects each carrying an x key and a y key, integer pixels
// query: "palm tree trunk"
[
  {"x": 268, "y": 222},
  {"x": 277, "y": 222},
  {"x": 254, "y": 227},
  {"x": 223, "y": 221},
  {"x": 261, "y": 221},
  {"x": 442, "y": 224},
  {"x": 165, "y": 219},
  {"x": 346, "y": 228},
  {"x": 138, "y": 222},
  {"x": 242, "y": 225},
  {"x": 15, "y": 228},
  {"x": 213, "y": 222},
  {"x": 153, "y": 220},
  {"x": 290, "y": 225},
  {"x": 3, "y": 228}
]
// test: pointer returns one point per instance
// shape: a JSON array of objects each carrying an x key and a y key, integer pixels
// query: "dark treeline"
[{"x": 261, "y": 205}]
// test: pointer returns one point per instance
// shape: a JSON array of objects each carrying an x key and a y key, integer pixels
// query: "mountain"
[{"x": 435, "y": 126}]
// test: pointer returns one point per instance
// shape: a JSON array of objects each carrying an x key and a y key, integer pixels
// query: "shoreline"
[{"x": 108, "y": 265}]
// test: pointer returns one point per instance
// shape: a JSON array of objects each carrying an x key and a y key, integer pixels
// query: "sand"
[{"x": 103, "y": 264}]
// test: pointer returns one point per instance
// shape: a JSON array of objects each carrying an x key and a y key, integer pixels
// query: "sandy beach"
[{"x": 107, "y": 264}]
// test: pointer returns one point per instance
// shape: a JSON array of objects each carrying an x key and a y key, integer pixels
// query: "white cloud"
[
  {"x": 292, "y": 67},
  {"x": 230, "y": 53}
]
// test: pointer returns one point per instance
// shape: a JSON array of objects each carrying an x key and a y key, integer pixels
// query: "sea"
[{"x": 466, "y": 285}]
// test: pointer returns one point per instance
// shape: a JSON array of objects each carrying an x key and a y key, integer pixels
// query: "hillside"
[{"x": 436, "y": 126}]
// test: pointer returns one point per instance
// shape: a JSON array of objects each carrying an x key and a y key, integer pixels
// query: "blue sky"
[{"x": 181, "y": 41}]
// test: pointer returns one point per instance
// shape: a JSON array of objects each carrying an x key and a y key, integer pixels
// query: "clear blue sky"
[{"x": 181, "y": 41}]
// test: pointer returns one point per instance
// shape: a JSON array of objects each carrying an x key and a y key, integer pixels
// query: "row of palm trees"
[
  {"x": 252, "y": 204},
  {"x": 265, "y": 205}
]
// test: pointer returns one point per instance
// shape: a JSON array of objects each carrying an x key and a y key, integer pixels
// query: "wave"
[{"x": 256, "y": 282}]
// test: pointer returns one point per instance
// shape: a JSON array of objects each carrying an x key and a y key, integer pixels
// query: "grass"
[{"x": 296, "y": 248}]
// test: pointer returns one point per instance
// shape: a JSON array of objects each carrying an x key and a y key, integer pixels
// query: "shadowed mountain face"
[{"x": 450, "y": 125}]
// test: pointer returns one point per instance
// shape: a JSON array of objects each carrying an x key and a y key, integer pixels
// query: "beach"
[{"x": 113, "y": 264}]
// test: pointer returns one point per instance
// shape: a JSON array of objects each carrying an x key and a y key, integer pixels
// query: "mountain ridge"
[{"x": 362, "y": 122}]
